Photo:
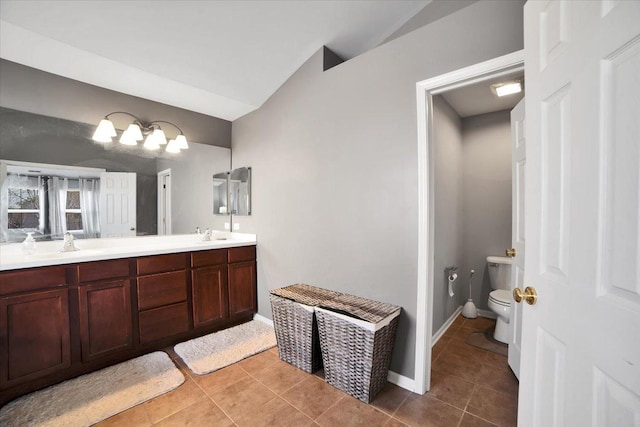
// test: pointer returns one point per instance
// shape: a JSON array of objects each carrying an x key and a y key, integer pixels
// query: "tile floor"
[{"x": 470, "y": 387}]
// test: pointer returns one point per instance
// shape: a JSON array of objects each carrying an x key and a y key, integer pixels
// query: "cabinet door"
[
  {"x": 242, "y": 288},
  {"x": 209, "y": 290},
  {"x": 34, "y": 336},
  {"x": 105, "y": 318}
]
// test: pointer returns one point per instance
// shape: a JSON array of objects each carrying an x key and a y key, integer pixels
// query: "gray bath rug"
[
  {"x": 215, "y": 351},
  {"x": 484, "y": 340},
  {"x": 93, "y": 397}
]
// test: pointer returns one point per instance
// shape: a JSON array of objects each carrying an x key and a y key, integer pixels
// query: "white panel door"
[
  {"x": 117, "y": 204},
  {"x": 518, "y": 162},
  {"x": 580, "y": 362}
]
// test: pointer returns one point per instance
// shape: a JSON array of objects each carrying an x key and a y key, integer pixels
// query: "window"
[
  {"x": 73, "y": 212},
  {"x": 24, "y": 204}
]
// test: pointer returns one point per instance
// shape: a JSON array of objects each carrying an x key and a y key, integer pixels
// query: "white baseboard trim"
[
  {"x": 401, "y": 381},
  {"x": 443, "y": 328},
  {"x": 263, "y": 319},
  {"x": 487, "y": 313}
]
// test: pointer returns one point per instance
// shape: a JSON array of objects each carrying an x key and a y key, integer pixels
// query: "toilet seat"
[{"x": 501, "y": 297}]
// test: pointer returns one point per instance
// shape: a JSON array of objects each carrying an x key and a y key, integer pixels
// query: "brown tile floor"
[{"x": 470, "y": 387}]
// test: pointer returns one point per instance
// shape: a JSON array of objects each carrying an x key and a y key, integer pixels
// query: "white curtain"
[
  {"x": 89, "y": 202},
  {"x": 57, "y": 204}
]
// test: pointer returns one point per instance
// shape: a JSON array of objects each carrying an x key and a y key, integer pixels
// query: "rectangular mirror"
[
  {"x": 240, "y": 191},
  {"x": 32, "y": 138},
  {"x": 221, "y": 194}
]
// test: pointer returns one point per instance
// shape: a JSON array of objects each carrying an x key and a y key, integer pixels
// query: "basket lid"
[
  {"x": 361, "y": 308},
  {"x": 305, "y": 294},
  {"x": 348, "y": 305}
]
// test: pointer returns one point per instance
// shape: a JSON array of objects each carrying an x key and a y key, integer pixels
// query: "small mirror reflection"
[
  {"x": 240, "y": 191},
  {"x": 232, "y": 192},
  {"x": 221, "y": 194}
]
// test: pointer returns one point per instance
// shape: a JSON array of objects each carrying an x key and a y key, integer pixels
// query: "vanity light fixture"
[
  {"x": 137, "y": 131},
  {"x": 506, "y": 88}
]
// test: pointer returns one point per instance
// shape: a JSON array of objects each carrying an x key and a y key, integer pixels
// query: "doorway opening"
[
  {"x": 426, "y": 91},
  {"x": 164, "y": 202}
]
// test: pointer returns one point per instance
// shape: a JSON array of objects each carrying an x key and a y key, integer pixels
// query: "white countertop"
[{"x": 48, "y": 253}]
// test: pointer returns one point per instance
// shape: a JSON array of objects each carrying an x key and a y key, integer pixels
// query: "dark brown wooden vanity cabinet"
[
  {"x": 104, "y": 300},
  {"x": 243, "y": 299},
  {"x": 163, "y": 310},
  {"x": 34, "y": 324},
  {"x": 209, "y": 287}
]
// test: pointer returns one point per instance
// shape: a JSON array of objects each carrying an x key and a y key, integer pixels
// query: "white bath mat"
[
  {"x": 215, "y": 351},
  {"x": 93, "y": 397}
]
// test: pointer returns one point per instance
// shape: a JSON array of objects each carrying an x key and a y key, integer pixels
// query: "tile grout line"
[
  {"x": 211, "y": 397},
  {"x": 277, "y": 394},
  {"x": 400, "y": 405},
  {"x": 326, "y": 410},
  {"x": 475, "y": 386},
  {"x": 300, "y": 410},
  {"x": 270, "y": 389},
  {"x": 173, "y": 413},
  {"x": 218, "y": 406}
]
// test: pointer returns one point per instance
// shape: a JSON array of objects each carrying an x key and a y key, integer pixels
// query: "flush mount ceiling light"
[
  {"x": 139, "y": 130},
  {"x": 506, "y": 88}
]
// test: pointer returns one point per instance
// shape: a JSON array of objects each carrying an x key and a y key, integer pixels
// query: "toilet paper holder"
[{"x": 451, "y": 270}]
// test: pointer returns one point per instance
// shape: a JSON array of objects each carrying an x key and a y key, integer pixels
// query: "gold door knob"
[
  {"x": 529, "y": 295},
  {"x": 511, "y": 253}
]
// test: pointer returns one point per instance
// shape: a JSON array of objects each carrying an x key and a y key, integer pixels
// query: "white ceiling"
[
  {"x": 478, "y": 98},
  {"x": 221, "y": 58}
]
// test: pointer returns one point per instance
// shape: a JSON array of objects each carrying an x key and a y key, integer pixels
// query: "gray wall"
[
  {"x": 486, "y": 170},
  {"x": 448, "y": 210},
  {"x": 333, "y": 156},
  {"x": 27, "y": 89}
]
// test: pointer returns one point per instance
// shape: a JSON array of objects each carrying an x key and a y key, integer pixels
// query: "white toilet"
[{"x": 500, "y": 297}]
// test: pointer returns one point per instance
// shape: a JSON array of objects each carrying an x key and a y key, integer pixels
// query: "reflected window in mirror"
[
  {"x": 24, "y": 204},
  {"x": 48, "y": 205}
]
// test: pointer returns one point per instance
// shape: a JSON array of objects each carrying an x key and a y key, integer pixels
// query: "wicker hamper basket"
[
  {"x": 295, "y": 324},
  {"x": 356, "y": 338}
]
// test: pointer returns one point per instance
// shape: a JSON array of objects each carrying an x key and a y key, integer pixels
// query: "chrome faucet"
[
  {"x": 206, "y": 236},
  {"x": 68, "y": 245}
]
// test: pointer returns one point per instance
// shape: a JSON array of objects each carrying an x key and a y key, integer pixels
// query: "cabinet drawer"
[
  {"x": 99, "y": 270},
  {"x": 205, "y": 258},
  {"x": 163, "y": 322},
  {"x": 162, "y": 289},
  {"x": 244, "y": 253},
  {"x": 32, "y": 279},
  {"x": 161, "y": 263}
]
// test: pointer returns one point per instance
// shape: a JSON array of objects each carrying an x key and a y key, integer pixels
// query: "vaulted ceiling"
[{"x": 221, "y": 58}]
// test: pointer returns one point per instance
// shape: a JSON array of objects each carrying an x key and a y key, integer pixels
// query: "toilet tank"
[{"x": 499, "y": 272}]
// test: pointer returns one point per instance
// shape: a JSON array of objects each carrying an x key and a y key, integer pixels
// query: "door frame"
[
  {"x": 164, "y": 202},
  {"x": 425, "y": 90}
]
